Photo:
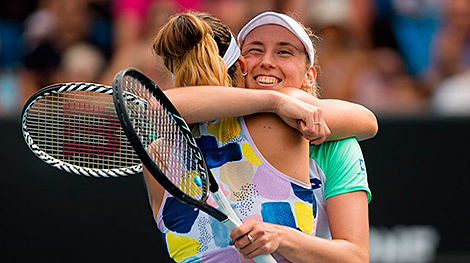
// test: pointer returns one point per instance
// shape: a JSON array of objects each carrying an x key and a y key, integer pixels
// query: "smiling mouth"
[{"x": 267, "y": 80}]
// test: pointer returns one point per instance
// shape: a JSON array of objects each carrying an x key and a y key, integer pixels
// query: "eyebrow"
[
  {"x": 282, "y": 44},
  {"x": 253, "y": 43}
]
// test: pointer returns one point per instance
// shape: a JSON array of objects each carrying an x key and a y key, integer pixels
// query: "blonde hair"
[
  {"x": 223, "y": 37},
  {"x": 315, "y": 89},
  {"x": 190, "y": 52}
]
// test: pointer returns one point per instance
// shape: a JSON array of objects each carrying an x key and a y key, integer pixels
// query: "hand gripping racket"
[
  {"x": 164, "y": 143},
  {"x": 74, "y": 127}
]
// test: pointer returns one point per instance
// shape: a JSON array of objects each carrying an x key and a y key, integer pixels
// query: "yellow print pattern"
[
  {"x": 181, "y": 247},
  {"x": 226, "y": 130}
]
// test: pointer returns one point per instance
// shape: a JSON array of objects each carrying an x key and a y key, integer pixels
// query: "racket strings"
[
  {"x": 80, "y": 128},
  {"x": 163, "y": 139}
]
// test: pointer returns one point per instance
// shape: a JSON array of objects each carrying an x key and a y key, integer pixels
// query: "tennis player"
[{"x": 267, "y": 195}]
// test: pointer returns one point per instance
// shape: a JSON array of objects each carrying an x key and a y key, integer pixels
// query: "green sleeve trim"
[
  {"x": 350, "y": 190},
  {"x": 343, "y": 165}
]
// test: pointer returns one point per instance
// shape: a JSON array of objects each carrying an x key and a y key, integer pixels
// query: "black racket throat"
[
  {"x": 178, "y": 194},
  {"x": 132, "y": 132},
  {"x": 213, "y": 186}
]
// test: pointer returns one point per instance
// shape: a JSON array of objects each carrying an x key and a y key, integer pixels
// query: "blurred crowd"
[{"x": 395, "y": 57}]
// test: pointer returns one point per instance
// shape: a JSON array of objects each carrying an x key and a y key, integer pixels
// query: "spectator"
[
  {"x": 81, "y": 62},
  {"x": 452, "y": 98},
  {"x": 135, "y": 23},
  {"x": 353, "y": 69},
  {"x": 413, "y": 23},
  {"x": 451, "y": 45},
  {"x": 50, "y": 30}
]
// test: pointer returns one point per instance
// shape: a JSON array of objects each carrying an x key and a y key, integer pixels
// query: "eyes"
[
  {"x": 252, "y": 51},
  {"x": 285, "y": 52},
  {"x": 260, "y": 51}
]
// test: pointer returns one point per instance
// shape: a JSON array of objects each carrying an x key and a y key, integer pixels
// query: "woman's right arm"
[
  {"x": 206, "y": 103},
  {"x": 345, "y": 119}
]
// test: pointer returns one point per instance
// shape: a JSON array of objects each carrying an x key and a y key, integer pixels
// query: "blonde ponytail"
[{"x": 189, "y": 51}]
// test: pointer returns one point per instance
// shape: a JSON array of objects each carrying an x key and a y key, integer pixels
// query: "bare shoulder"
[{"x": 283, "y": 147}]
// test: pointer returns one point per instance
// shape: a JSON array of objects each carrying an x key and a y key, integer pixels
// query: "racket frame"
[
  {"x": 141, "y": 151},
  {"x": 53, "y": 161}
]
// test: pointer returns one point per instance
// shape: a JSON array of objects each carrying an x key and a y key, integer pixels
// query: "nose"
[{"x": 267, "y": 61}]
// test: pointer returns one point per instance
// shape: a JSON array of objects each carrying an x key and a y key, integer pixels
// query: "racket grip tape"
[
  {"x": 233, "y": 221},
  {"x": 226, "y": 208}
]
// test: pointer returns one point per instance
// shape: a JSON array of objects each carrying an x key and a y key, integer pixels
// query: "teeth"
[{"x": 267, "y": 80}]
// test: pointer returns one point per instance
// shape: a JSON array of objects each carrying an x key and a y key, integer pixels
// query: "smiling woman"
[
  {"x": 239, "y": 150},
  {"x": 268, "y": 41},
  {"x": 279, "y": 60},
  {"x": 279, "y": 54},
  {"x": 258, "y": 159}
]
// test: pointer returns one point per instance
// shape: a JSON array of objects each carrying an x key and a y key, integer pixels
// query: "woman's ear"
[
  {"x": 241, "y": 70},
  {"x": 243, "y": 66},
  {"x": 310, "y": 77}
]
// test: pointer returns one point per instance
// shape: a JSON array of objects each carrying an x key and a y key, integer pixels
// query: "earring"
[{"x": 244, "y": 74}]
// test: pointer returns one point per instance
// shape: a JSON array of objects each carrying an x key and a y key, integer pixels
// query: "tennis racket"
[
  {"x": 74, "y": 127},
  {"x": 164, "y": 143}
]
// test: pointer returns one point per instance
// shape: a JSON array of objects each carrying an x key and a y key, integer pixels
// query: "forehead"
[{"x": 273, "y": 34}]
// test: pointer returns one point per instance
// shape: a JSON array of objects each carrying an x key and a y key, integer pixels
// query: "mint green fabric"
[{"x": 343, "y": 165}]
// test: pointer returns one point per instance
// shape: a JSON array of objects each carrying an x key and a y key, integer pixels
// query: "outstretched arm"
[
  {"x": 347, "y": 119},
  {"x": 206, "y": 103},
  {"x": 344, "y": 119}
]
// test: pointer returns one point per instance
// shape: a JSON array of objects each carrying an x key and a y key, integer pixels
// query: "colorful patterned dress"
[{"x": 255, "y": 189}]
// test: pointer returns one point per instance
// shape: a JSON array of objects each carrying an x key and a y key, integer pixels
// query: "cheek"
[
  {"x": 249, "y": 83},
  {"x": 294, "y": 77},
  {"x": 251, "y": 63}
]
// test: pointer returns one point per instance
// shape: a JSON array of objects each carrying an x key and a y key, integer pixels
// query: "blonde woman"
[{"x": 259, "y": 160}]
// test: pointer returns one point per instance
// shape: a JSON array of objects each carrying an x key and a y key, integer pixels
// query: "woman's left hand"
[{"x": 255, "y": 238}]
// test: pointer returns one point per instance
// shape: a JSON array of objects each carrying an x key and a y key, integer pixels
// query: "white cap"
[{"x": 273, "y": 18}]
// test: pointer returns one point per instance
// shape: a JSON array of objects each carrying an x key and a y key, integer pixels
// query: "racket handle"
[
  {"x": 233, "y": 221},
  {"x": 265, "y": 258},
  {"x": 226, "y": 208}
]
